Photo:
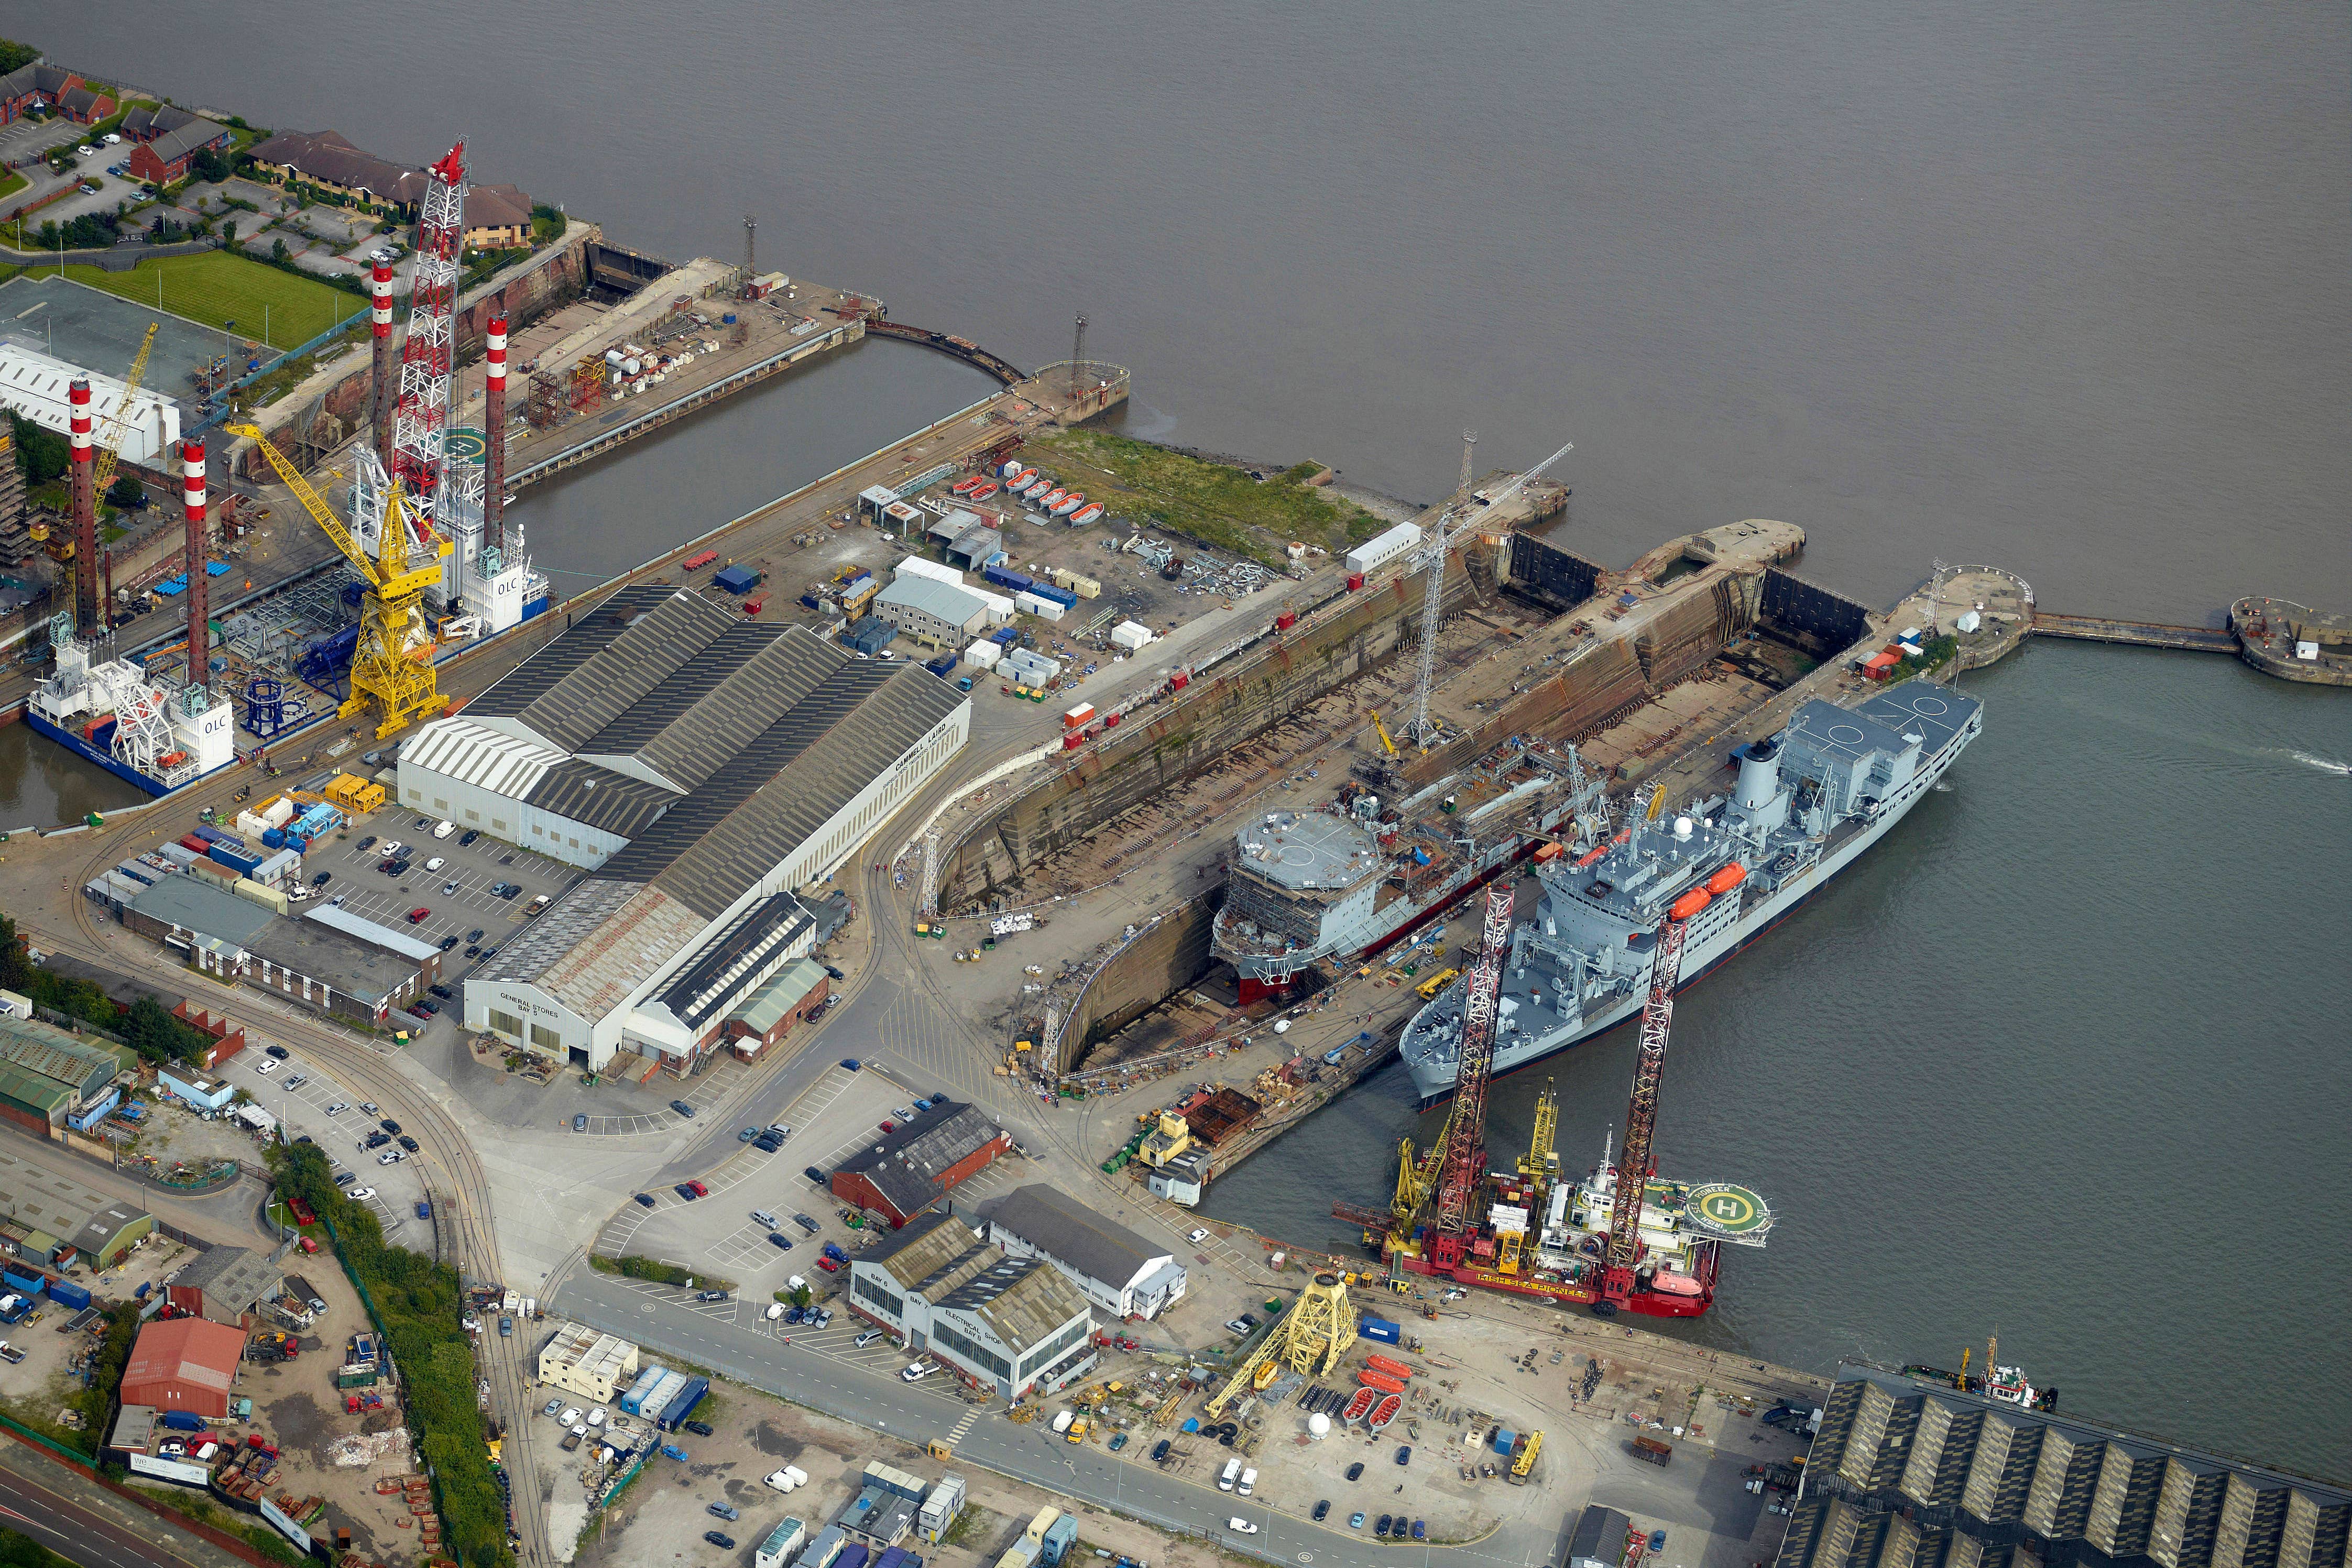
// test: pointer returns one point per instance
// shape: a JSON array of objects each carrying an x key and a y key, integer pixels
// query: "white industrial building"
[
  {"x": 1011, "y": 1325},
  {"x": 706, "y": 771},
  {"x": 935, "y": 613},
  {"x": 35, "y": 386},
  {"x": 1116, "y": 1269}
]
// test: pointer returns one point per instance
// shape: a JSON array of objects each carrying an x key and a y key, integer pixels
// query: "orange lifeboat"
[
  {"x": 1689, "y": 904},
  {"x": 1730, "y": 877}
]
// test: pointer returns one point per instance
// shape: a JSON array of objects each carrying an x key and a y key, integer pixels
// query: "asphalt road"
[
  {"x": 74, "y": 1533},
  {"x": 754, "y": 1353}
]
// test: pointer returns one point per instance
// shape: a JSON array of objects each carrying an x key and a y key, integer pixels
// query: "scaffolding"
[
  {"x": 273, "y": 634},
  {"x": 1310, "y": 1340}
]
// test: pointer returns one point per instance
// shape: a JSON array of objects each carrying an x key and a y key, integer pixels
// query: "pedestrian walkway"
[{"x": 20, "y": 1462}]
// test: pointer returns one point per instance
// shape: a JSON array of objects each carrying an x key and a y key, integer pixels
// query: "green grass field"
[{"x": 218, "y": 288}]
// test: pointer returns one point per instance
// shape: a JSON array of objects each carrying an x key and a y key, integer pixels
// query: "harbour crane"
[
  {"x": 1636, "y": 1163},
  {"x": 1443, "y": 535},
  {"x": 118, "y": 424},
  {"x": 398, "y": 556},
  {"x": 1461, "y": 1168}
]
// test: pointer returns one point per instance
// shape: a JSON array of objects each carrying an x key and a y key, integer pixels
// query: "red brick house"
[
  {"x": 163, "y": 159},
  {"x": 84, "y": 107},
  {"x": 33, "y": 86},
  {"x": 906, "y": 1171}
]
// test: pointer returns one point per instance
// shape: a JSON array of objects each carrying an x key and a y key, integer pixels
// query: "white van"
[
  {"x": 775, "y": 1311},
  {"x": 1062, "y": 1422},
  {"x": 1225, "y": 1481},
  {"x": 445, "y": 830},
  {"x": 1249, "y": 1482}
]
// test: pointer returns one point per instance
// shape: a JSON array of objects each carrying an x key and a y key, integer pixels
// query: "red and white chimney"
[
  {"x": 387, "y": 388},
  {"x": 88, "y": 613},
  {"x": 192, "y": 498},
  {"x": 494, "y": 419}
]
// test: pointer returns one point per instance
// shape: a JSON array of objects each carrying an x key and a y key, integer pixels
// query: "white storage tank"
[{"x": 1381, "y": 548}]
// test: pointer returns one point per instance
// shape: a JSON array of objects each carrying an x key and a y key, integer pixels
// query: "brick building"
[
  {"x": 329, "y": 960},
  {"x": 171, "y": 140},
  {"x": 771, "y": 1012},
  {"x": 905, "y": 1172},
  {"x": 32, "y": 86},
  {"x": 50, "y": 1079},
  {"x": 497, "y": 218},
  {"x": 324, "y": 161}
]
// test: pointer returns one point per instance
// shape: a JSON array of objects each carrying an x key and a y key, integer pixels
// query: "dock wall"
[
  {"x": 1137, "y": 977},
  {"x": 1811, "y": 618},
  {"x": 1182, "y": 737}
]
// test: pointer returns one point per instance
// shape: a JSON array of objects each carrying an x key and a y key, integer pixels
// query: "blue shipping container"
[
  {"x": 1004, "y": 577},
  {"x": 215, "y": 836},
  {"x": 853, "y": 1555},
  {"x": 241, "y": 864},
  {"x": 274, "y": 838},
  {"x": 1503, "y": 1438},
  {"x": 144, "y": 875},
  {"x": 30, "y": 1284},
  {"x": 683, "y": 1406},
  {"x": 1380, "y": 1329},
  {"x": 66, "y": 1293},
  {"x": 1061, "y": 596},
  {"x": 1058, "y": 1537},
  {"x": 737, "y": 578}
]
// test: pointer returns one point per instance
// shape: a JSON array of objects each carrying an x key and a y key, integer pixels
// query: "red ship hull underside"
[{"x": 1559, "y": 1292}]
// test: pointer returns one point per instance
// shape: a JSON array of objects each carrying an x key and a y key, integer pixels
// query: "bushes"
[
  {"x": 42, "y": 453},
  {"x": 635, "y": 1267},
  {"x": 418, "y": 1305},
  {"x": 98, "y": 1400},
  {"x": 145, "y": 1025}
]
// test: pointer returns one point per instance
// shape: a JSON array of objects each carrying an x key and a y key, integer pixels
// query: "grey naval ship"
[{"x": 1806, "y": 802}]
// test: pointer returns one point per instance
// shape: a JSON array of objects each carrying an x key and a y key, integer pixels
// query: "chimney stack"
[
  {"x": 192, "y": 495},
  {"x": 386, "y": 392},
  {"x": 494, "y": 417},
  {"x": 88, "y": 613}
]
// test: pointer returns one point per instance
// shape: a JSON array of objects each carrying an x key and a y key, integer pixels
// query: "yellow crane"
[
  {"x": 392, "y": 668},
  {"x": 1540, "y": 1164},
  {"x": 1383, "y": 730},
  {"x": 110, "y": 439}
]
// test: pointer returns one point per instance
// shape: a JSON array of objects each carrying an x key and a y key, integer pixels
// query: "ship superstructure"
[
  {"x": 110, "y": 713},
  {"x": 1807, "y": 801},
  {"x": 1305, "y": 887}
]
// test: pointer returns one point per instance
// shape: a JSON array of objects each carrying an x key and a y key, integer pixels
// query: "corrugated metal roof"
[
  {"x": 368, "y": 931},
  {"x": 781, "y": 993},
  {"x": 650, "y": 648},
  {"x": 596, "y": 972},
  {"x": 721, "y": 970},
  {"x": 647, "y": 717},
  {"x": 35, "y": 1197},
  {"x": 1054, "y": 1222},
  {"x": 698, "y": 741},
  {"x": 931, "y": 1254},
  {"x": 1021, "y": 1299},
  {"x": 79, "y": 1064},
  {"x": 749, "y": 815},
  {"x": 501, "y": 763},
  {"x": 906, "y": 1166},
  {"x": 590, "y": 632},
  {"x": 566, "y": 922},
  {"x": 599, "y": 797}
]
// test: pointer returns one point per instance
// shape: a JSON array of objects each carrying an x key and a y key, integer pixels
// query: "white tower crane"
[{"x": 1448, "y": 529}]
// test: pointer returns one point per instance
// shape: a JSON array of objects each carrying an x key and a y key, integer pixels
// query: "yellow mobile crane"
[
  {"x": 392, "y": 668},
  {"x": 1540, "y": 1167},
  {"x": 1383, "y": 732}
]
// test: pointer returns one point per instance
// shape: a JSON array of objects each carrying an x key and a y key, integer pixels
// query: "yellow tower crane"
[
  {"x": 1539, "y": 1164},
  {"x": 392, "y": 668}
]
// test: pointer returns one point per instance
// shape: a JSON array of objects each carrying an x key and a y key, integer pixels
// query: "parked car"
[
  {"x": 814, "y": 1175},
  {"x": 746, "y": 1135},
  {"x": 1404, "y": 1453},
  {"x": 345, "y": 1178},
  {"x": 805, "y": 1223},
  {"x": 278, "y": 1053},
  {"x": 506, "y": 1326},
  {"x": 682, "y": 1108},
  {"x": 710, "y": 1295},
  {"x": 1420, "y": 1530},
  {"x": 418, "y": 914},
  {"x": 378, "y": 1139},
  {"x": 580, "y": 1121},
  {"x": 647, "y": 1198},
  {"x": 851, "y": 1063},
  {"x": 552, "y": 1407},
  {"x": 1355, "y": 1473},
  {"x": 266, "y": 1068},
  {"x": 724, "y": 1511},
  {"x": 475, "y": 935},
  {"x": 684, "y": 1191},
  {"x": 435, "y": 863},
  {"x": 390, "y": 1157},
  {"x": 1322, "y": 1510},
  {"x": 1355, "y": 1521},
  {"x": 916, "y": 1372},
  {"x": 468, "y": 836},
  {"x": 339, "y": 1107},
  {"x": 828, "y": 1265},
  {"x": 448, "y": 943},
  {"x": 1241, "y": 1526},
  {"x": 724, "y": 1542},
  {"x": 700, "y": 1190},
  {"x": 366, "y": 844},
  {"x": 323, "y": 879},
  {"x": 781, "y": 1242},
  {"x": 408, "y": 1142},
  {"x": 870, "y": 1335},
  {"x": 1198, "y": 1237},
  {"x": 443, "y": 992},
  {"x": 361, "y": 1194}
]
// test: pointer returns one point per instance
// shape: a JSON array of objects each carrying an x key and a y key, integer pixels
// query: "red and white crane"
[
  {"x": 1462, "y": 1169},
  {"x": 1638, "y": 1163},
  {"x": 420, "y": 419}
]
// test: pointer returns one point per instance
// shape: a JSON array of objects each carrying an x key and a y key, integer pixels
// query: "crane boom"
[
  {"x": 109, "y": 438},
  {"x": 1635, "y": 1162},
  {"x": 390, "y": 572},
  {"x": 1460, "y": 1170},
  {"x": 1442, "y": 536}
]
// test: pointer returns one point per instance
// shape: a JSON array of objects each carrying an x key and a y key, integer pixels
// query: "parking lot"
[
  {"x": 448, "y": 878},
  {"x": 839, "y": 1113},
  {"x": 339, "y": 1123}
]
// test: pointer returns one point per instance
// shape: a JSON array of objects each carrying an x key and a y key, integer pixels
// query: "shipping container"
[
  {"x": 1030, "y": 602},
  {"x": 752, "y": 606},
  {"x": 211, "y": 835},
  {"x": 179, "y": 855},
  {"x": 1078, "y": 717},
  {"x": 31, "y": 1284},
  {"x": 1004, "y": 577},
  {"x": 680, "y": 1409},
  {"x": 269, "y": 898},
  {"x": 737, "y": 578},
  {"x": 1179, "y": 680},
  {"x": 1380, "y": 1329},
  {"x": 195, "y": 845},
  {"x": 66, "y": 1293},
  {"x": 235, "y": 859},
  {"x": 983, "y": 653},
  {"x": 144, "y": 875},
  {"x": 1285, "y": 621}
]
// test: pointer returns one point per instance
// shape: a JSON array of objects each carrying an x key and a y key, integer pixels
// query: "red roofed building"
[
  {"x": 186, "y": 1363},
  {"x": 907, "y": 1170}
]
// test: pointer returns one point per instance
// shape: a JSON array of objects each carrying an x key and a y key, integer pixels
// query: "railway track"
[{"x": 464, "y": 1231}]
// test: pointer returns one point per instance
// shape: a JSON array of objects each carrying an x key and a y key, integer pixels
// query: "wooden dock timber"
[{"x": 2134, "y": 633}]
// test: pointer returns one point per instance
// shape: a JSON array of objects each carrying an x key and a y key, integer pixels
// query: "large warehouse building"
[{"x": 707, "y": 772}]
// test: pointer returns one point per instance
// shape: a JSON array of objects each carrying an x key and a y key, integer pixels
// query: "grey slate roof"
[
  {"x": 1908, "y": 1473},
  {"x": 906, "y": 1165},
  {"x": 1054, "y": 1222},
  {"x": 349, "y": 964},
  {"x": 187, "y": 139}
]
